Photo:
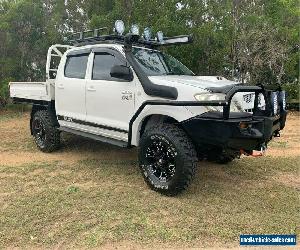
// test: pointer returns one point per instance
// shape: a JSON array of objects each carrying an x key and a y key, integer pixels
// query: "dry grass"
[{"x": 92, "y": 195}]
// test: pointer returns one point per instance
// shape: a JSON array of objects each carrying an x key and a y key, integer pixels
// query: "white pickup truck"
[{"x": 123, "y": 90}]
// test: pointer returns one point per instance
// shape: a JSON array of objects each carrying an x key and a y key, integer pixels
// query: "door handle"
[
  {"x": 60, "y": 86},
  {"x": 91, "y": 88}
]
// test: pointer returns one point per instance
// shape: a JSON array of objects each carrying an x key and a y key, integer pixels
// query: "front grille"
[{"x": 248, "y": 98}]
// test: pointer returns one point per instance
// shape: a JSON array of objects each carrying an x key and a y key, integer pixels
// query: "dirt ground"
[
  {"x": 288, "y": 144},
  {"x": 17, "y": 145},
  {"x": 91, "y": 195}
]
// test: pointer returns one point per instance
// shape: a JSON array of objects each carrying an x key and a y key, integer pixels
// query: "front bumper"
[{"x": 211, "y": 129}]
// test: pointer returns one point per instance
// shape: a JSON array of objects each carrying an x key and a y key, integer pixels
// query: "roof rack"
[{"x": 94, "y": 37}]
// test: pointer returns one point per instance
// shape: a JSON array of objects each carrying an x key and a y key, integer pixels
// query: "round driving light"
[
  {"x": 160, "y": 36},
  {"x": 147, "y": 34},
  {"x": 135, "y": 29},
  {"x": 275, "y": 102},
  {"x": 119, "y": 27},
  {"x": 283, "y": 99}
]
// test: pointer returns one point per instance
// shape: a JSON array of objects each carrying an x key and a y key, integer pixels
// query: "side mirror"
[{"x": 121, "y": 72}]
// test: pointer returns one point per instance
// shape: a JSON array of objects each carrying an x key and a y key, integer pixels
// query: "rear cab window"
[{"x": 76, "y": 65}]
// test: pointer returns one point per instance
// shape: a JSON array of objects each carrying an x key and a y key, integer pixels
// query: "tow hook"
[{"x": 255, "y": 153}]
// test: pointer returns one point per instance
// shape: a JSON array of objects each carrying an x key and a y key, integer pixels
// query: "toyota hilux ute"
[{"x": 121, "y": 89}]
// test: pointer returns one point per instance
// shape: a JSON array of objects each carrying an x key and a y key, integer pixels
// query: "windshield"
[{"x": 156, "y": 63}]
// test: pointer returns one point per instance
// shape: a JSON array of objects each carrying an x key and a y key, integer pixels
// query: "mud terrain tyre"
[
  {"x": 44, "y": 131},
  {"x": 167, "y": 159}
]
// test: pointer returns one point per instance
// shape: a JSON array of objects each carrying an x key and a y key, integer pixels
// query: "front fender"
[{"x": 176, "y": 112}]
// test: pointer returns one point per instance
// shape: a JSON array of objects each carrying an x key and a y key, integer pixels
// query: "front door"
[{"x": 109, "y": 101}]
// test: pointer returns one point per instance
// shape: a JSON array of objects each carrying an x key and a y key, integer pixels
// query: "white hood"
[
  {"x": 202, "y": 82},
  {"x": 188, "y": 86}
]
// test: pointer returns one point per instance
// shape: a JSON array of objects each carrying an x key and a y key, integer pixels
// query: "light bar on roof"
[{"x": 177, "y": 39}]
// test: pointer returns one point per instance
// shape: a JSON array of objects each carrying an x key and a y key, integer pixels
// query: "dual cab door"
[{"x": 89, "y": 99}]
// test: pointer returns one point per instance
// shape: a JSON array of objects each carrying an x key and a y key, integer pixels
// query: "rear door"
[
  {"x": 109, "y": 101},
  {"x": 70, "y": 88}
]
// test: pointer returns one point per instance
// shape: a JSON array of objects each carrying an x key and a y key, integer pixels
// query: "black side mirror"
[{"x": 121, "y": 72}]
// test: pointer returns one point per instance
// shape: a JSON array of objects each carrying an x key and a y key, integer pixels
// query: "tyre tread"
[
  {"x": 188, "y": 153},
  {"x": 53, "y": 140}
]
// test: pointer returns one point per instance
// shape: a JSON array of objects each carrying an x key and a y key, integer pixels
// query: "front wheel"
[
  {"x": 167, "y": 159},
  {"x": 44, "y": 131}
]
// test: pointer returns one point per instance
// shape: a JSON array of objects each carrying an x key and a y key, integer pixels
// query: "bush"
[
  {"x": 293, "y": 91},
  {"x": 4, "y": 93}
]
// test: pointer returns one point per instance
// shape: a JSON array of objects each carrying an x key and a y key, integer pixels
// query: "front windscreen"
[{"x": 156, "y": 63}]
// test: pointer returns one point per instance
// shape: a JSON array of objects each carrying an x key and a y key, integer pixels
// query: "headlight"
[
  {"x": 210, "y": 97},
  {"x": 234, "y": 107}
]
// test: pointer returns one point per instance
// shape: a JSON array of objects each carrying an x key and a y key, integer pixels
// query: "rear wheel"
[
  {"x": 167, "y": 159},
  {"x": 44, "y": 131}
]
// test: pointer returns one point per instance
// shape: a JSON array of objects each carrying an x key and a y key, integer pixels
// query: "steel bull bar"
[{"x": 274, "y": 111}]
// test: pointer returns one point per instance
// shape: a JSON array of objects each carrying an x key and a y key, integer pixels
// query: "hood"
[
  {"x": 188, "y": 86},
  {"x": 199, "y": 82}
]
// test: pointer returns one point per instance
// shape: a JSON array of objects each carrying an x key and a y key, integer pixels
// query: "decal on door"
[
  {"x": 68, "y": 119},
  {"x": 127, "y": 96},
  {"x": 86, "y": 123}
]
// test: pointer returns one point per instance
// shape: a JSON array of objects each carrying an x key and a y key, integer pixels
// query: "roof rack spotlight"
[
  {"x": 102, "y": 35},
  {"x": 135, "y": 30},
  {"x": 119, "y": 27},
  {"x": 147, "y": 34},
  {"x": 160, "y": 36}
]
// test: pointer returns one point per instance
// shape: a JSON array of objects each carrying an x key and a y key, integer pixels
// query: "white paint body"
[{"x": 100, "y": 102}]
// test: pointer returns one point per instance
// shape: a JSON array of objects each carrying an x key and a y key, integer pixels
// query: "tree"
[{"x": 253, "y": 41}]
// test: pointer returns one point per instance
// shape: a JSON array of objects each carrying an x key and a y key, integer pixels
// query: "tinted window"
[
  {"x": 76, "y": 66},
  {"x": 103, "y": 62}
]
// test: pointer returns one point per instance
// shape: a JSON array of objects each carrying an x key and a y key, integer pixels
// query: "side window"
[
  {"x": 76, "y": 66},
  {"x": 103, "y": 62}
]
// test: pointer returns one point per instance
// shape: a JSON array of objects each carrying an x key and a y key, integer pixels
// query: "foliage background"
[{"x": 253, "y": 41}]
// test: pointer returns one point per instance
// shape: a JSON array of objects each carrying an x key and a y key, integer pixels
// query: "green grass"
[
  {"x": 7, "y": 115},
  {"x": 92, "y": 203},
  {"x": 279, "y": 144},
  {"x": 12, "y": 111},
  {"x": 100, "y": 202}
]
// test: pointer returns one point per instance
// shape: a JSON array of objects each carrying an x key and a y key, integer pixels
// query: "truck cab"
[{"x": 123, "y": 90}]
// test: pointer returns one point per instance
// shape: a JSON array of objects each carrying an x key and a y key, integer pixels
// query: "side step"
[{"x": 115, "y": 142}]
